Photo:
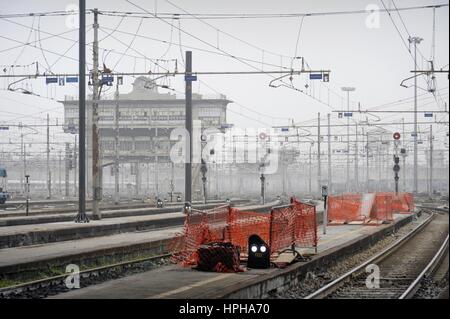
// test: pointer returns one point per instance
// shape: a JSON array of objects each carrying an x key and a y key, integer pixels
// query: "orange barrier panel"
[
  {"x": 368, "y": 208},
  {"x": 305, "y": 224},
  {"x": 403, "y": 203},
  {"x": 382, "y": 207},
  {"x": 244, "y": 224},
  {"x": 345, "y": 208},
  {"x": 199, "y": 228}
]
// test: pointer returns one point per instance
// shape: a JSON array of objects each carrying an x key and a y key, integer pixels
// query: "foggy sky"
[{"x": 374, "y": 61}]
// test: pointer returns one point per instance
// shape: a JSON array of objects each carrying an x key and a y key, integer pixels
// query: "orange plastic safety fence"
[
  {"x": 368, "y": 207},
  {"x": 382, "y": 207},
  {"x": 306, "y": 224},
  {"x": 281, "y": 228},
  {"x": 199, "y": 228},
  {"x": 403, "y": 203},
  {"x": 344, "y": 208},
  {"x": 295, "y": 224},
  {"x": 244, "y": 224}
]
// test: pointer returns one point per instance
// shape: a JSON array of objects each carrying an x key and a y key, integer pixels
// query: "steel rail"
[
  {"x": 335, "y": 284},
  {"x": 59, "y": 278},
  {"x": 415, "y": 285}
]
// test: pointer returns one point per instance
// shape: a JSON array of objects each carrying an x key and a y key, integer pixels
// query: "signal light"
[{"x": 258, "y": 253}]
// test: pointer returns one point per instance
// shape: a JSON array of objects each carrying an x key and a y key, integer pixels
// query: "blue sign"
[
  {"x": 107, "y": 79},
  {"x": 285, "y": 129},
  {"x": 72, "y": 79},
  {"x": 413, "y": 134},
  {"x": 51, "y": 80},
  {"x": 428, "y": 114},
  {"x": 315, "y": 76},
  {"x": 3, "y": 172},
  {"x": 4, "y": 128},
  {"x": 227, "y": 126},
  {"x": 348, "y": 114},
  {"x": 190, "y": 77}
]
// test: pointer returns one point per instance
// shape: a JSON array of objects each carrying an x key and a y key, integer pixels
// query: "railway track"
[
  {"x": 402, "y": 266},
  {"x": 45, "y": 287},
  {"x": 18, "y": 210}
]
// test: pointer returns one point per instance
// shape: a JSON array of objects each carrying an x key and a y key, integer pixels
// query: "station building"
[{"x": 146, "y": 119}]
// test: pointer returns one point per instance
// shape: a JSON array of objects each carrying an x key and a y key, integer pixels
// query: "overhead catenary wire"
[
  {"x": 213, "y": 46},
  {"x": 170, "y": 15},
  {"x": 219, "y": 31}
]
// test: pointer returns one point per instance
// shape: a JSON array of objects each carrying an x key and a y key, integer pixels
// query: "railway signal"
[
  {"x": 325, "y": 209},
  {"x": 258, "y": 253},
  {"x": 396, "y": 167}
]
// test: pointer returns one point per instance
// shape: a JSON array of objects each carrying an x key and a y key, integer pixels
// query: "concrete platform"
[
  {"x": 104, "y": 206},
  {"x": 114, "y": 213},
  {"x": 31, "y": 258},
  {"x": 25, "y": 235},
  {"x": 176, "y": 282}
]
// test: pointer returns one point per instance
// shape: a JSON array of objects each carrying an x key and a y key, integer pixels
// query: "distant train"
[{"x": 3, "y": 193}]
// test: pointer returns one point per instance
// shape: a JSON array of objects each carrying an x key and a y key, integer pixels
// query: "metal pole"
[
  {"x": 25, "y": 169},
  {"x": 188, "y": 164},
  {"x": 403, "y": 157},
  {"x": 137, "y": 178},
  {"x": 325, "y": 215},
  {"x": 415, "y": 122},
  {"x": 81, "y": 217},
  {"x": 75, "y": 166},
  {"x": 356, "y": 160},
  {"x": 263, "y": 189},
  {"x": 431, "y": 161},
  {"x": 348, "y": 144},
  {"x": 415, "y": 40},
  {"x": 49, "y": 174},
  {"x": 66, "y": 170},
  {"x": 172, "y": 184},
  {"x": 378, "y": 167},
  {"x": 157, "y": 176},
  {"x": 59, "y": 174},
  {"x": 27, "y": 194},
  {"x": 204, "y": 179},
  {"x": 319, "y": 161},
  {"x": 96, "y": 167},
  {"x": 330, "y": 178},
  {"x": 283, "y": 171},
  {"x": 310, "y": 169},
  {"x": 116, "y": 162},
  {"x": 22, "y": 185},
  {"x": 367, "y": 163}
]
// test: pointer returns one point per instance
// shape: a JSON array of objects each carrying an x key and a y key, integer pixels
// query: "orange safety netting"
[
  {"x": 295, "y": 224},
  {"x": 345, "y": 208},
  {"x": 283, "y": 227},
  {"x": 243, "y": 224},
  {"x": 382, "y": 207},
  {"x": 199, "y": 228},
  {"x": 367, "y": 208},
  {"x": 403, "y": 203}
]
